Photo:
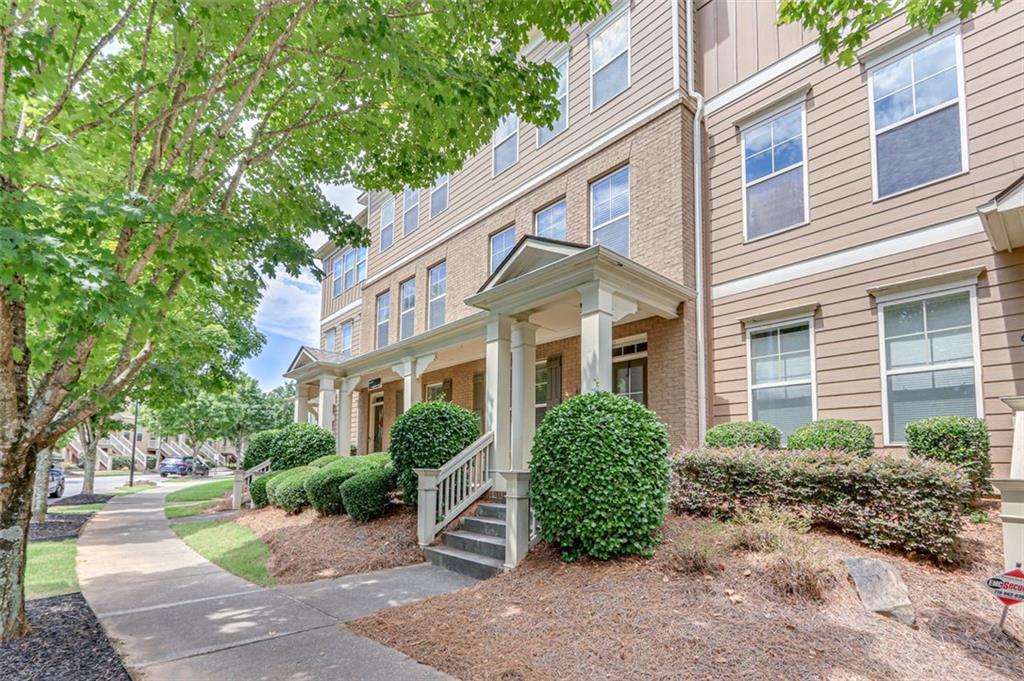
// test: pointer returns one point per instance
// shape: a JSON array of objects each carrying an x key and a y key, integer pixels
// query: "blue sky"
[{"x": 289, "y": 314}]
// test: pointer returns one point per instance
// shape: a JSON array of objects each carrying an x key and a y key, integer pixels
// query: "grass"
[
  {"x": 140, "y": 486},
  {"x": 188, "y": 508},
  {"x": 81, "y": 508},
  {"x": 209, "y": 490},
  {"x": 50, "y": 569},
  {"x": 231, "y": 546}
]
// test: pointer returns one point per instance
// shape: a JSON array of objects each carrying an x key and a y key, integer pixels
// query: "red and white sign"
[{"x": 1007, "y": 587}]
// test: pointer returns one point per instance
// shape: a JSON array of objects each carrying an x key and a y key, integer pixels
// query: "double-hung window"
[
  {"x": 354, "y": 267},
  {"x": 930, "y": 363},
  {"x": 346, "y": 339},
  {"x": 629, "y": 368},
  {"x": 609, "y": 59},
  {"x": 917, "y": 116},
  {"x": 438, "y": 288},
  {"x": 337, "y": 278},
  {"x": 383, "y": 318},
  {"x": 781, "y": 374},
  {"x": 550, "y": 222},
  {"x": 410, "y": 211},
  {"x": 329, "y": 339},
  {"x": 505, "y": 145},
  {"x": 387, "y": 224},
  {"x": 439, "y": 196},
  {"x": 775, "y": 173},
  {"x": 501, "y": 245},
  {"x": 407, "y": 309},
  {"x": 545, "y": 135},
  {"x": 609, "y": 211}
]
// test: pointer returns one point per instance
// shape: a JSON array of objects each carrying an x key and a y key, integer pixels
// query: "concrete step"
[
  {"x": 463, "y": 562},
  {"x": 490, "y": 510},
  {"x": 482, "y": 544},
  {"x": 492, "y": 527}
]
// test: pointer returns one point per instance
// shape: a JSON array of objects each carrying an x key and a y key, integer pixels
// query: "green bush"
[
  {"x": 275, "y": 483},
  {"x": 324, "y": 460},
  {"x": 426, "y": 436},
  {"x": 151, "y": 463},
  {"x": 599, "y": 476},
  {"x": 959, "y": 440},
  {"x": 367, "y": 495},
  {"x": 119, "y": 462},
  {"x": 886, "y": 502},
  {"x": 836, "y": 435},
  {"x": 323, "y": 488},
  {"x": 298, "y": 444},
  {"x": 289, "y": 489},
  {"x": 258, "y": 489},
  {"x": 259, "y": 447},
  {"x": 744, "y": 434}
]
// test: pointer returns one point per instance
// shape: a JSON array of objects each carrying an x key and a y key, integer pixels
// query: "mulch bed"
[
  {"x": 635, "y": 619},
  {"x": 58, "y": 526},
  {"x": 66, "y": 643},
  {"x": 306, "y": 546},
  {"x": 80, "y": 499}
]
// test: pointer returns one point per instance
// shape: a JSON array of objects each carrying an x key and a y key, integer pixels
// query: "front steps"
[{"x": 476, "y": 546}]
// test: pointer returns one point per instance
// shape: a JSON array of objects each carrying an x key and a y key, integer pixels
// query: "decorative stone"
[{"x": 881, "y": 588}]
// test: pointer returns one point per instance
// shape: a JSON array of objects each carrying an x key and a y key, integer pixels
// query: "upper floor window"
[
  {"x": 329, "y": 339},
  {"x": 917, "y": 117},
  {"x": 609, "y": 211},
  {"x": 501, "y": 245},
  {"x": 438, "y": 289},
  {"x": 609, "y": 60},
  {"x": 439, "y": 196},
  {"x": 550, "y": 222},
  {"x": 774, "y": 174},
  {"x": 354, "y": 268},
  {"x": 346, "y": 339},
  {"x": 781, "y": 380},
  {"x": 410, "y": 211},
  {"x": 387, "y": 224},
  {"x": 505, "y": 145},
  {"x": 336, "y": 277},
  {"x": 383, "y": 318},
  {"x": 407, "y": 309},
  {"x": 545, "y": 135}
]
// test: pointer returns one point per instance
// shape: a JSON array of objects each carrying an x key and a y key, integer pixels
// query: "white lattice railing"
[{"x": 445, "y": 492}]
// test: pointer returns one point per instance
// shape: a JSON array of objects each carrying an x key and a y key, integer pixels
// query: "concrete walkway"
[{"x": 174, "y": 615}]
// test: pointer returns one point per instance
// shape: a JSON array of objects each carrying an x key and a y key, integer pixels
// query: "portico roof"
[{"x": 1003, "y": 217}]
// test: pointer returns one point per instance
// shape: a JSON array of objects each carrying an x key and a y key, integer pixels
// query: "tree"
[
  {"x": 843, "y": 25},
  {"x": 90, "y": 432},
  {"x": 281, "y": 401},
  {"x": 199, "y": 418},
  {"x": 246, "y": 411}
]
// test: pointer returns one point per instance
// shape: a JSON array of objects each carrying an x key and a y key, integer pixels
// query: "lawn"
[
  {"x": 231, "y": 546},
  {"x": 188, "y": 508},
  {"x": 81, "y": 508},
  {"x": 50, "y": 570},
  {"x": 140, "y": 486},
  {"x": 209, "y": 490}
]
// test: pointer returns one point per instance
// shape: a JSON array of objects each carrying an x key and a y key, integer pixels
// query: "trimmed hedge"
[
  {"x": 259, "y": 447},
  {"x": 744, "y": 434},
  {"x": 426, "y": 436},
  {"x": 599, "y": 476},
  {"x": 834, "y": 434},
  {"x": 323, "y": 488},
  {"x": 960, "y": 440},
  {"x": 367, "y": 495},
  {"x": 289, "y": 489},
  {"x": 324, "y": 460},
  {"x": 258, "y": 489},
  {"x": 119, "y": 462},
  {"x": 885, "y": 502},
  {"x": 298, "y": 444}
]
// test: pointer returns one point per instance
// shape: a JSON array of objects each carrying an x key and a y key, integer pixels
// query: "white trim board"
[
  {"x": 354, "y": 305},
  {"x": 855, "y": 255},
  {"x": 761, "y": 78}
]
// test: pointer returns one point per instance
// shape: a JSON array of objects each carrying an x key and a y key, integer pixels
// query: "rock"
[{"x": 881, "y": 588}]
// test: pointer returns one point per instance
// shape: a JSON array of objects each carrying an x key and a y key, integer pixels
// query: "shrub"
[
  {"x": 834, "y": 434},
  {"x": 289, "y": 490},
  {"x": 959, "y": 440},
  {"x": 151, "y": 463},
  {"x": 886, "y": 502},
  {"x": 298, "y": 444},
  {"x": 324, "y": 460},
  {"x": 259, "y": 447},
  {"x": 599, "y": 476},
  {"x": 367, "y": 495},
  {"x": 119, "y": 462},
  {"x": 323, "y": 488},
  {"x": 258, "y": 490},
  {"x": 744, "y": 434},
  {"x": 426, "y": 436}
]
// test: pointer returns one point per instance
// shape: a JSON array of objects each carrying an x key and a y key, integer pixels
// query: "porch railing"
[
  {"x": 244, "y": 479},
  {"x": 445, "y": 492}
]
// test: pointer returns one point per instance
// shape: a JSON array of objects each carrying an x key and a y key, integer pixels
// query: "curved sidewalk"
[{"x": 174, "y": 615}]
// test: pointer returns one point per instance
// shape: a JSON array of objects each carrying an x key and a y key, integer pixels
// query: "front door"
[{"x": 377, "y": 423}]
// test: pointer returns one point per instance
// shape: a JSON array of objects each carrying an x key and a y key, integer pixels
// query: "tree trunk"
[
  {"x": 41, "y": 486},
  {"x": 16, "y": 478},
  {"x": 87, "y": 458}
]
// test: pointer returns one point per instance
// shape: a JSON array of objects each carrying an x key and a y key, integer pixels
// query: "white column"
[
  {"x": 411, "y": 370},
  {"x": 301, "y": 404},
  {"x": 325, "y": 404},
  {"x": 1017, "y": 453},
  {"x": 596, "y": 317},
  {"x": 343, "y": 436},
  {"x": 524, "y": 393},
  {"x": 497, "y": 414}
]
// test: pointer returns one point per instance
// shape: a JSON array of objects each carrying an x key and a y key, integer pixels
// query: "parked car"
[
  {"x": 199, "y": 467},
  {"x": 56, "y": 486},
  {"x": 175, "y": 465}
]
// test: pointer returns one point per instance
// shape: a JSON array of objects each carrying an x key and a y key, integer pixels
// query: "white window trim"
[
  {"x": 402, "y": 312},
  {"x": 596, "y": 30},
  {"x": 331, "y": 334},
  {"x": 379, "y": 322},
  {"x": 747, "y": 125},
  {"x": 491, "y": 265},
  {"x": 380, "y": 232},
  {"x": 971, "y": 287},
  {"x": 427, "y": 388},
  {"x": 338, "y": 275},
  {"x": 495, "y": 143},
  {"x": 627, "y": 214},
  {"x": 774, "y": 324},
  {"x": 961, "y": 102},
  {"x": 444, "y": 295},
  {"x": 447, "y": 189},
  {"x": 406, "y": 209},
  {"x": 551, "y": 205},
  {"x": 557, "y": 60},
  {"x": 351, "y": 328},
  {"x": 629, "y": 340}
]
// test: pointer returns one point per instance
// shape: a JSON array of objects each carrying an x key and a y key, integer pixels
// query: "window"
[
  {"x": 917, "y": 117},
  {"x": 383, "y": 318},
  {"x": 545, "y": 135},
  {"x": 629, "y": 368},
  {"x": 609, "y": 60},
  {"x": 410, "y": 211},
  {"x": 329, "y": 339},
  {"x": 609, "y": 211},
  {"x": 550, "y": 222},
  {"x": 439, "y": 196},
  {"x": 548, "y": 379},
  {"x": 387, "y": 224},
  {"x": 501, "y": 245},
  {"x": 435, "y": 391},
  {"x": 781, "y": 374},
  {"x": 505, "y": 145},
  {"x": 346, "y": 339},
  {"x": 354, "y": 267},
  {"x": 774, "y": 174},
  {"x": 438, "y": 276},
  {"x": 930, "y": 363},
  {"x": 407, "y": 309},
  {"x": 336, "y": 278}
]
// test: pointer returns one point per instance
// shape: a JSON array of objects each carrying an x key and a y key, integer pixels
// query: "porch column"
[
  {"x": 301, "y": 404},
  {"x": 497, "y": 410},
  {"x": 597, "y": 312},
  {"x": 411, "y": 370},
  {"x": 524, "y": 393},
  {"x": 325, "y": 404},
  {"x": 343, "y": 437}
]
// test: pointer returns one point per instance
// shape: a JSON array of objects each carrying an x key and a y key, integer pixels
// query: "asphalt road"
[{"x": 73, "y": 484}]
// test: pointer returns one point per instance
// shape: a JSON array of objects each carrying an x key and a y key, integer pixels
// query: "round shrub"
[
  {"x": 744, "y": 434},
  {"x": 298, "y": 444},
  {"x": 258, "y": 490},
  {"x": 119, "y": 462},
  {"x": 426, "y": 436},
  {"x": 274, "y": 483},
  {"x": 367, "y": 495},
  {"x": 259, "y": 447},
  {"x": 290, "y": 489},
  {"x": 324, "y": 460},
  {"x": 839, "y": 435},
  {"x": 599, "y": 476},
  {"x": 323, "y": 488},
  {"x": 960, "y": 440}
]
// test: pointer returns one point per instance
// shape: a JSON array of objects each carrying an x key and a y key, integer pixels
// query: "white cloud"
[{"x": 291, "y": 308}]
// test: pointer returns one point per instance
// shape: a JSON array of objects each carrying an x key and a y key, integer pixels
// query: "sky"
[{"x": 289, "y": 314}]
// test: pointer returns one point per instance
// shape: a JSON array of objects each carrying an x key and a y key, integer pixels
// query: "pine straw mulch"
[
  {"x": 306, "y": 546},
  {"x": 666, "y": 618}
]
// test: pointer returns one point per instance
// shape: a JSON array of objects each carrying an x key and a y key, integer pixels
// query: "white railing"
[
  {"x": 123, "y": 447},
  {"x": 212, "y": 454},
  {"x": 243, "y": 479},
  {"x": 171, "y": 448},
  {"x": 445, "y": 492}
]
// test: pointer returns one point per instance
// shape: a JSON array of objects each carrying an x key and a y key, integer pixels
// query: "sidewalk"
[{"x": 174, "y": 615}]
